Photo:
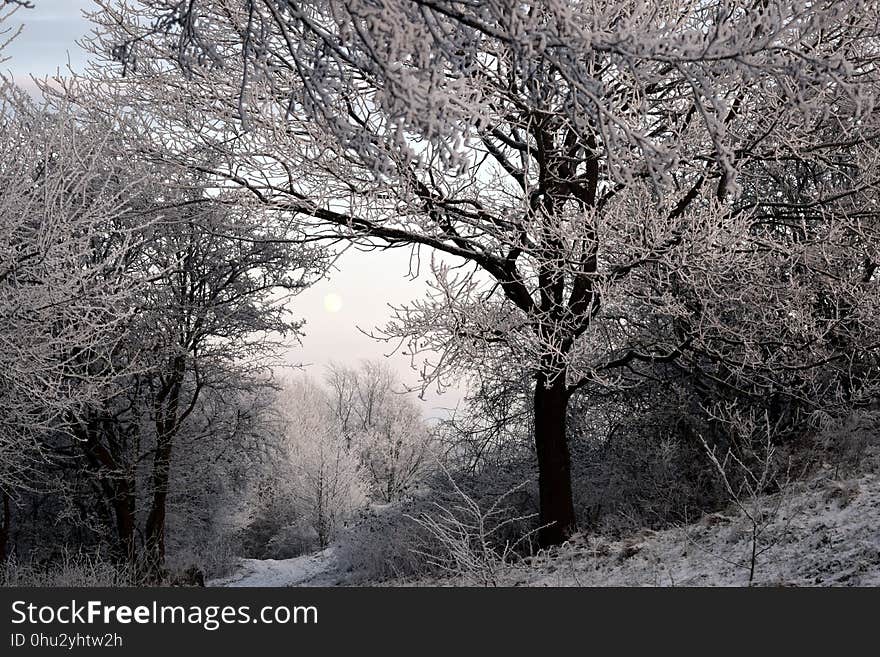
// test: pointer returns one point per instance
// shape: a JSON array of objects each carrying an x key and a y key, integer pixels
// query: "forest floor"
[{"x": 824, "y": 531}]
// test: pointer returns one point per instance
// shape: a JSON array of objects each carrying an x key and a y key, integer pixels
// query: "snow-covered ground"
[
  {"x": 823, "y": 531},
  {"x": 826, "y": 533},
  {"x": 317, "y": 569}
]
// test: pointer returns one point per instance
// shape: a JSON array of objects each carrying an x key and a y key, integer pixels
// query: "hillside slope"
[{"x": 824, "y": 532}]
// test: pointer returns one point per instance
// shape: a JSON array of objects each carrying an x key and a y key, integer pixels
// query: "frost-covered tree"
[
  {"x": 126, "y": 293},
  {"x": 317, "y": 467},
  {"x": 382, "y": 425},
  {"x": 214, "y": 323},
  {"x": 336, "y": 447},
  {"x": 610, "y": 185},
  {"x": 219, "y": 455},
  {"x": 210, "y": 323},
  {"x": 68, "y": 231}
]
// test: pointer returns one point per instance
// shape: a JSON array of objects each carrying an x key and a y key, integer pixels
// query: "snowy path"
[{"x": 317, "y": 569}]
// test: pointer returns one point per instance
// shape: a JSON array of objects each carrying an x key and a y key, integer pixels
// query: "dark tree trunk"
[
  {"x": 116, "y": 484},
  {"x": 557, "y": 518},
  {"x": 168, "y": 421},
  {"x": 124, "y": 509},
  {"x": 155, "y": 527}
]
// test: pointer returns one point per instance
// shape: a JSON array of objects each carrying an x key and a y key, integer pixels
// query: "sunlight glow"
[{"x": 332, "y": 303}]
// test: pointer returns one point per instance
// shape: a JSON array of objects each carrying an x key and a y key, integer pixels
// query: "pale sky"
[
  {"x": 357, "y": 295},
  {"x": 50, "y": 32}
]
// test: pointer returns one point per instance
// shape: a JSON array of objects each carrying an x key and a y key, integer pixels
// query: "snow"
[
  {"x": 316, "y": 569},
  {"x": 825, "y": 532}
]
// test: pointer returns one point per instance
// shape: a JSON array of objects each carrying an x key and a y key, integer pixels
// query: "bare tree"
[
  {"x": 68, "y": 231},
  {"x": 318, "y": 468},
  {"x": 383, "y": 426},
  {"x": 213, "y": 321},
  {"x": 610, "y": 185}
]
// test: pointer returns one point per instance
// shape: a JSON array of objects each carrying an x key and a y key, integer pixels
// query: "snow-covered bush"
[
  {"x": 385, "y": 543},
  {"x": 634, "y": 480},
  {"x": 845, "y": 443},
  {"x": 471, "y": 537},
  {"x": 215, "y": 555},
  {"x": 400, "y": 540},
  {"x": 292, "y": 541}
]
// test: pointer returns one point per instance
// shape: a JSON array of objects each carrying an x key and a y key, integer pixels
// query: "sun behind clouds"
[{"x": 332, "y": 303}]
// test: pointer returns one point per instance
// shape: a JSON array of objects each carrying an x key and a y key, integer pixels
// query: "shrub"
[
  {"x": 413, "y": 537},
  {"x": 68, "y": 569}
]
